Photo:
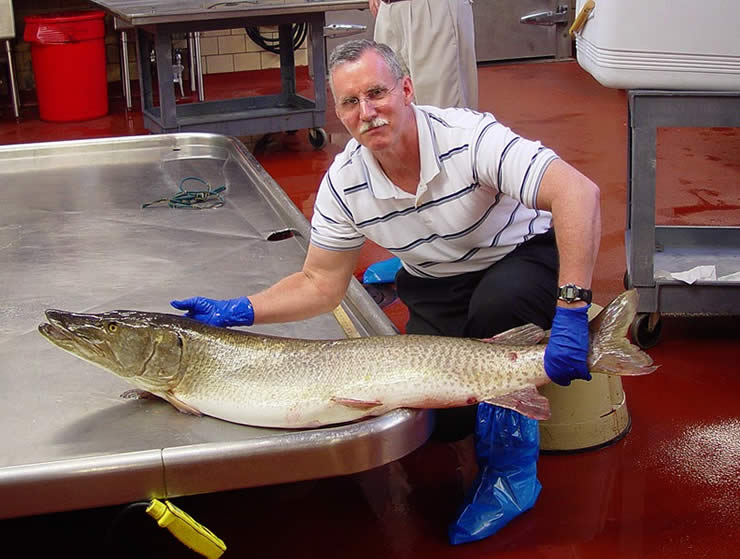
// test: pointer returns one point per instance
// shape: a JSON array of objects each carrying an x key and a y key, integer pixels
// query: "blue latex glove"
[
  {"x": 567, "y": 350},
  {"x": 228, "y": 312}
]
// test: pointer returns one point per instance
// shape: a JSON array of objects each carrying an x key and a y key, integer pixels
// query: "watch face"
[{"x": 571, "y": 293}]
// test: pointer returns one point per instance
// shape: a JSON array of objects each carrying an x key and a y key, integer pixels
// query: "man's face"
[{"x": 370, "y": 101}]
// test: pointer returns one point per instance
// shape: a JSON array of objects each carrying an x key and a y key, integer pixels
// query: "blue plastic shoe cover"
[{"x": 507, "y": 448}]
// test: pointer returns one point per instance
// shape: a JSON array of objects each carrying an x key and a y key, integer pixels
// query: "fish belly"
[{"x": 282, "y": 414}]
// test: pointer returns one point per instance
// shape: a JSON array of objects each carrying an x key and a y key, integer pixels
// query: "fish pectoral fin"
[
  {"x": 354, "y": 403},
  {"x": 180, "y": 406},
  {"x": 527, "y": 401},
  {"x": 139, "y": 394}
]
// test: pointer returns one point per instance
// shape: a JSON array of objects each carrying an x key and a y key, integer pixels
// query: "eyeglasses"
[{"x": 376, "y": 95}]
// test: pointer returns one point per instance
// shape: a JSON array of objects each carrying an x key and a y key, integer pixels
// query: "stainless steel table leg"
[
  {"x": 198, "y": 67},
  {"x": 287, "y": 62},
  {"x": 318, "y": 54},
  {"x": 13, "y": 86},
  {"x": 191, "y": 54},
  {"x": 165, "y": 77},
  {"x": 143, "y": 46},
  {"x": 125, "y": 77}
]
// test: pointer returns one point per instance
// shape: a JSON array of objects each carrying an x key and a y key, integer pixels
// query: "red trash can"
[{"x": 68, "y": 58}]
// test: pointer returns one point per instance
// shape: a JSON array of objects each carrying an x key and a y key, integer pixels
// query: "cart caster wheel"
[
  {"x": 645, "y": 334},
  {"x": 318, "y": 137}
]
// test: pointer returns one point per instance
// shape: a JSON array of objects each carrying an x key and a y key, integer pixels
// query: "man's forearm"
[
  {"x": 574, "y": 202},
  {"x": 318, "y": 288},
  {"x": 577, "y": 225},
  {"x": 295, "y": 297}
]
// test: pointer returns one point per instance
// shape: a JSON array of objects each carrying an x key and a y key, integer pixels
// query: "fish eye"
[{"x": 112, "y": 327}]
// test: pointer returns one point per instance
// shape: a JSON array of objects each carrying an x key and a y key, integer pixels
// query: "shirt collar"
[{"x": 377, "y": 181}]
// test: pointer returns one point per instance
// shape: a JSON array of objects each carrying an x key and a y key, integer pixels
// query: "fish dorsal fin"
[
  {"x": 529, "y": 334},
  {"x": 527, "y": 401}
]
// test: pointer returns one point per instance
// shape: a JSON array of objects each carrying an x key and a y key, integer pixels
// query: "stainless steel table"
[
  {"x": 156, "y": 21},
  {"x": 674, "y": 248},
  {"x": 73, "y": 235}
]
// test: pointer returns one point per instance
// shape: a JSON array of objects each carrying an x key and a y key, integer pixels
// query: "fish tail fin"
[{"x": 610, "y": 350}]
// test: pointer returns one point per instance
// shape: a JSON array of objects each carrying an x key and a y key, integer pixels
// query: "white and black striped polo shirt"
[{"x": 474, "y": 204}]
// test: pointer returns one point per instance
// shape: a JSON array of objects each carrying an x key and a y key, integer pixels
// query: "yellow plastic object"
[
  {"x": 585, "y": 414},
  {"x": 580, "y": 20},
  {"x": 196, "y": 536},
  {"x": 346, "y": 323}
]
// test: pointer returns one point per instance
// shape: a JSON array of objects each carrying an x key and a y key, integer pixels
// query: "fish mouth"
[
  {"x": 67, "y": 330},
  {"x": 54, "y": 333},
  {"x": 55, "y": 330}
]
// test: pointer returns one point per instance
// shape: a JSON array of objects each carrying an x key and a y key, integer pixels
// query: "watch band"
[{"x": 570, "y": 293}]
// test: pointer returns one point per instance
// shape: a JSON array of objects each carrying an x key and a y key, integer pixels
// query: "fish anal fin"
[
  {"x": 528, "y": 334},
  {"x": 181, "y": 406},
  {"x": 355, "y": 403},
  {"x": 527, "y": 401}
]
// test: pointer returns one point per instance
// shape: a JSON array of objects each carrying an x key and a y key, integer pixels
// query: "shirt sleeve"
[
  {"x": 508, "y": 162},
  {"x": 332, "y": 224}
]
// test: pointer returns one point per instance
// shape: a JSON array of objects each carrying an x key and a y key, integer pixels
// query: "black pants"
[{"x": 519, "y": 289}]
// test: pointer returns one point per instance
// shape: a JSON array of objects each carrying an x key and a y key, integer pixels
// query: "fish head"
[{"x": 130, "y": 344}]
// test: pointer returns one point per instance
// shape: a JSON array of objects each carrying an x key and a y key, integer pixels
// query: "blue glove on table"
[
  {"x": 567, "y": 350},
  {"x": 228, "y": 312}
]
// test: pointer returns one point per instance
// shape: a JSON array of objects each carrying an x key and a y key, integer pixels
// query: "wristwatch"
[{"x": 570, "y": 293}]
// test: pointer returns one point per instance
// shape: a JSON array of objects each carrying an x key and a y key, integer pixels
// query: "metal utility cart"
[
  {"x": 156, "y": 21},
  {"x": 651, "y": 248}
]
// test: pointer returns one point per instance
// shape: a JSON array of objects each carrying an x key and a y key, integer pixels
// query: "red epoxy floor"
[{"x": 667, "y": 490}]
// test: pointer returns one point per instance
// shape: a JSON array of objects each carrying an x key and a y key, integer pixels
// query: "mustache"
[{"x": 374, "y": 123}]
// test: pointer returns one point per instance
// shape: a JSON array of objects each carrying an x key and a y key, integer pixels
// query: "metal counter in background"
[
  {"x": 155, "y": 22},
  {"x": 74, "y": 236}
]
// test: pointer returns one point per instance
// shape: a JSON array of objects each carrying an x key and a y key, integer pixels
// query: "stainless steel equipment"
[
  {"x": 7, "y": 32},
  {"x": 362, "y": 21},
  {"x": 155, "y": 22},
  {"x": 195, "y": 67},
  {"x": 73, "y": 235}
]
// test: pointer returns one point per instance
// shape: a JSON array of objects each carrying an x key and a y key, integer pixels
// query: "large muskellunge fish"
[{"x": 282, "y": 382}]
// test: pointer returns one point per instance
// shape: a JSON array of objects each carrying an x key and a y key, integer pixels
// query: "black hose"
[{"x": 299, "y": 32}]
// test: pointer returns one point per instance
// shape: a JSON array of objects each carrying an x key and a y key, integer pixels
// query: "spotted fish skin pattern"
[{"x": 295, "y": 383}]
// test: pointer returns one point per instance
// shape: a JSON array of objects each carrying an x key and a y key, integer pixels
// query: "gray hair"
[{"x": 353, "y": 50}]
